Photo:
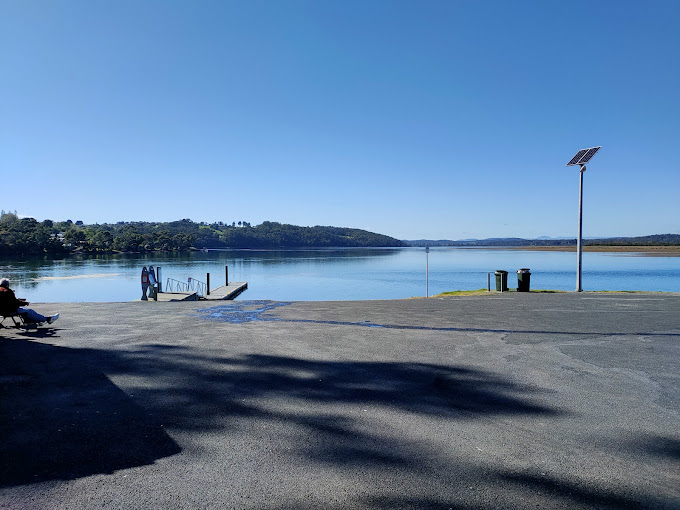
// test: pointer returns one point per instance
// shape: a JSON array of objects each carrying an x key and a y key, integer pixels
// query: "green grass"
[
  {"x": 463, "y": 293},
  {"x": 493, "y": 291},
  {"x": 482, "y": 292}
]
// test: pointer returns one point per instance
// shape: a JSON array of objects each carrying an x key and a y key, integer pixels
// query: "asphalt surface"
[{"x": 482, "y": 402}]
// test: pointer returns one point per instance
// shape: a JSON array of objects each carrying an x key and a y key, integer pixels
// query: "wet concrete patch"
[
  {"x": 240, "y": 312},
  {"x": 257, "y": 311}
]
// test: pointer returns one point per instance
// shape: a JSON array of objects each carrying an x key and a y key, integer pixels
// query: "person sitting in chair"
[{"x": 10, "y": 304}]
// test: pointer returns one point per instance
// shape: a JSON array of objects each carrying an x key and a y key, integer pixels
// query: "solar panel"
[
  {"x": 588, "y": 155},
  {"x": 578, "y": 156},
  {"x": 583, "y": 156}
]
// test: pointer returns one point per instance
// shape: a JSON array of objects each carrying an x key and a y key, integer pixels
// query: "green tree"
[{"x": 128, "y": 239}]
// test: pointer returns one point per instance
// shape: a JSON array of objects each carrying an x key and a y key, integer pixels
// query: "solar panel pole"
[
  {"x": 580, "y": 231},
  {"x": 581, "y": 158}
]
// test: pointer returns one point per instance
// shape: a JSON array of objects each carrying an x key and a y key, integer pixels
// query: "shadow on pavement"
[
  {"x": 199, "y": 386},
  {"x": 571, "y": 493},
  {"x": 663, "y": 447},
  {"x": 62, "y": 418},
  {"x": 317, "y": 403}
]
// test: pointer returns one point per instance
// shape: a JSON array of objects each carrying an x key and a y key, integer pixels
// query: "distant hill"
[
  {"x": 27, "y": 236},
  {"x": 651, "y": 240},
  {"x": 277, "y": 235},
  {"x": 504, "y": 241}
]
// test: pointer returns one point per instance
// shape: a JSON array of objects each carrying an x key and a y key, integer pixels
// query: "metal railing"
[
  {"x": 172, "y": 285},
  {"x": 192, "y": 285},
  {"x": 198, "y": 287}
]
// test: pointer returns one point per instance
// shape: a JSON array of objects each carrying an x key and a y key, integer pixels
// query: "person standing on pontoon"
[{"x": 10, "y": 304}]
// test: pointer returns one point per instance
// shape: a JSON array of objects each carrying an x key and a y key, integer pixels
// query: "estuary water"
[{"x": 335, "y": 274}]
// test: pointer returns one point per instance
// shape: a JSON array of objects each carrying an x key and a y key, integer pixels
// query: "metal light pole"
[
  {"x": 427, "y": 271},
  {"x": 582, "y": 157},
  {"x": 579, "y": 249}
]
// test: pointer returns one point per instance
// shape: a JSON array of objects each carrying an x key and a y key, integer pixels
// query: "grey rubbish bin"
[
  {"x": 501, "y": 280},
  {"x": 523, "y": 280}
]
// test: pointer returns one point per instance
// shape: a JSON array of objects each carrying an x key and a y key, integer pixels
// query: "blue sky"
[{"x": 433, "y": 119}]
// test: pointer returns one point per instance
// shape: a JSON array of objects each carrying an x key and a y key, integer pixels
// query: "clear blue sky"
[{"x": 419, "y": 119}]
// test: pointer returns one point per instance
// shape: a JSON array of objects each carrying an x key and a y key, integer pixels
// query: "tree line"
[
  {"x": 651, "y": 240},
  {"x": 29, "y": 236}
]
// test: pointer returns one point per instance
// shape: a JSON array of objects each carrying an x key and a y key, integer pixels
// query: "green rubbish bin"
[
  {"x": 523, "y": 280},
  {"x": 501, "y": 280}
]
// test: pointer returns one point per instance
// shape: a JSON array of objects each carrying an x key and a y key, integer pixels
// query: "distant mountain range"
[{"x": 651, "y": 240}]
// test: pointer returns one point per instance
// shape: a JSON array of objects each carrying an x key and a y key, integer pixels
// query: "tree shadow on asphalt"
[
  {"x": 571, "y": 493},
  {"x": 233, "y": 386},
  {"x": 62, "y": 418},
  {"x": 660, "y": 446},
  {"x": 520, "y": 490}
]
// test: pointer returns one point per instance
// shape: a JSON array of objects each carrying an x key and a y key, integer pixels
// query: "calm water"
[{"x": 342, "y": 274}]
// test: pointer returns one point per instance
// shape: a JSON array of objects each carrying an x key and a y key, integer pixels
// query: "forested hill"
[
  {"x": 652, "y": 240},
  {"x": 28, "y": 236},
  {"x": 277, "y": 235}
]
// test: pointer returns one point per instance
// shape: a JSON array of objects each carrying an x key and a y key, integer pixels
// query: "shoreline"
[
  {"x": 666, "y": 251},
  {"x": 648, "y": 251}
]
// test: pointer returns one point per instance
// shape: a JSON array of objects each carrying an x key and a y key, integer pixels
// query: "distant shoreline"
[{"x": 650, "y": 251}]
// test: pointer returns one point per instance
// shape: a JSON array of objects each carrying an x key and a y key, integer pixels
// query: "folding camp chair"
[{"x": 19, "y": 321}]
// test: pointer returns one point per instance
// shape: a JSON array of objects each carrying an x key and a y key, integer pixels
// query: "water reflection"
[{"x": 332, "y": 274}]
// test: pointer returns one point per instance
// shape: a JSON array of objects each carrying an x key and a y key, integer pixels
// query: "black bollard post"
[
  {"x": 226, "y": 275},
  {"x": 207, "y": 284}
]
